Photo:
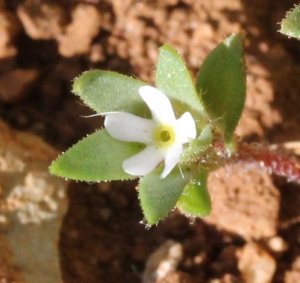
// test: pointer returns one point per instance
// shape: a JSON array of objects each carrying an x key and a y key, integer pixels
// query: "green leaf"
[
  {"x": 195, "y": 199},
  {"x": 97, "y": 157},
  {"x": 159, "y": 196},
  {"x": 222, "y": 83},
  {"x": 173, "y": 78},
  {"x": 290, "y": 26},
  {"x": 106, "y": 91}
]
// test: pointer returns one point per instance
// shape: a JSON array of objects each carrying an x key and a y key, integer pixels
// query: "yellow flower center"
[{"x": 164, "y": 135}]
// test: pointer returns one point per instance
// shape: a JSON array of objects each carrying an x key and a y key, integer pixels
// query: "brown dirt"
[{"x": 102, "y": 239}]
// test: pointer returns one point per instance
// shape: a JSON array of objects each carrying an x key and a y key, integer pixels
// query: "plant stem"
[{"x": 273, "y": 161}]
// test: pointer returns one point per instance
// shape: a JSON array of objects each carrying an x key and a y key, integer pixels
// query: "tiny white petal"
[
  {"x": 130, "y": 128},
  {"x": 144, "y": 162},
  {"x": 158, "y": 103},
  {"x": 171, "y": 159},
  {"x": 127, "y": 127},
  {"x": 185, "y": 128}
]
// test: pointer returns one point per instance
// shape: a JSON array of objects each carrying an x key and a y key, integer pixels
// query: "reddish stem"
[{"x": 274, "y": 162}]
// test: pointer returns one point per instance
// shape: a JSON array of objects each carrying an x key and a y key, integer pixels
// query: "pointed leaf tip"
[
  {"x": 290, "y": 26},
  {"x": 173, "y": 78},
  {"x": 159, "y": 196},
  {"x": 222, "y": 82},
  {"x": 96, "y": 158},
  {"x": 106, "y": 91}
]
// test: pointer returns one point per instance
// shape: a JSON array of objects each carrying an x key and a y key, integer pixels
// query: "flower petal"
[
  {"x": 158, "y": 103},
  {"x": 185, "y": 128},
  {"x": 127, "y": 127},
  {"x": 171, "y": 159},
  {"x": 144, "y": 162}
]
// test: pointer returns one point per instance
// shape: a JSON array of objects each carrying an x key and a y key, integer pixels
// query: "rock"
[
  {"x": 176, "y": 277},
  {"x": 277, "y": 244},
  {"x": 255, "y": 264},
  {"x": 162, "y": 261},
  {"x": 15, "y": 85},
  {"x": 42, "y": 19},
  {"x": 292, "y": 277},
  {"x": 81, "y": 31},
  {"x": 32, "y": 205},
  {"x": 9, "y": 29},
  {"x": 242, "y": 196}
]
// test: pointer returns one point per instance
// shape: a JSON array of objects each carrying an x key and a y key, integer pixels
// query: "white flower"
[{"x": 164, "y": 136}]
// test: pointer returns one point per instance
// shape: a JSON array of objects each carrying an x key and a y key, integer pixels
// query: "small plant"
[
  {"x": 170, "y": 136},
  {"x": 290, "y": 26}
]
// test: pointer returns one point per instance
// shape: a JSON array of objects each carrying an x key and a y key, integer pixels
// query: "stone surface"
[
  {"x": 81, "y": 31},
  {"x": 277, "y": 244},
  {"x": 176, "y": 277},
  {"x": 292, "y": 277},
  {"x": 9, "y": 29},
  {"x": 162, "y": 261},
  {"x": 32, "y": 204},
  {"x": 42, "y": 19},
  {"x": 255, "y": 264}
]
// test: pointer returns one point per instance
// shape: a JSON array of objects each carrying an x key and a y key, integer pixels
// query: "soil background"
[{"x": 45, "y": 44}]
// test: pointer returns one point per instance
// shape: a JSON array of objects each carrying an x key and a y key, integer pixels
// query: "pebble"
[
  {"x": 162, "y": 261},
  {"x": 41, "y": 19},
  {"x": 9, "y": 29},
  {"x": 277, "y": 244},
  {"x": 255, "y": 264},
  {"x": 32, "y": 206},
  {"x": 80, "y": 32}
]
